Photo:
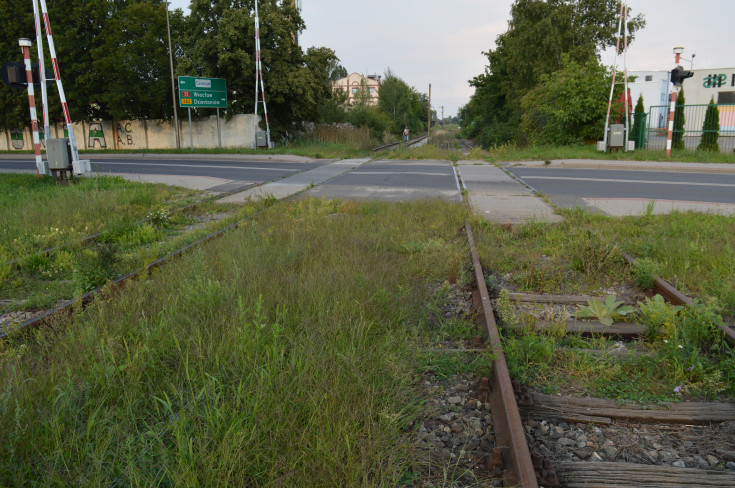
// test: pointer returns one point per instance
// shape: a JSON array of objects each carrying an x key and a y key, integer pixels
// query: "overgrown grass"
[
  {"x": 583, "y": 255},
  {"x": 693, "y": 251},
  {"x": 36, "y": 213},
  {"x": 541, "y": 153},
  {"x": 443, "y": 145},
  {"x": 323, "y": 150},
  {"x": 283, "y": 354},
  {"x": 43, "y": 280}
]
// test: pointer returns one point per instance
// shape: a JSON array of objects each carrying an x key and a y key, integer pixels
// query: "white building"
[{"x": 700, "y": 89}]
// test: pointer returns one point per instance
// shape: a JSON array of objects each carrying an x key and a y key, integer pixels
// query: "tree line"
[
  {"x": 544, "y": 82},
  {"x": 114, "y": 63}
]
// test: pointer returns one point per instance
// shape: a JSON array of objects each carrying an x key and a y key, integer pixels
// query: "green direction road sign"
[{"x": 202, "y": 92}]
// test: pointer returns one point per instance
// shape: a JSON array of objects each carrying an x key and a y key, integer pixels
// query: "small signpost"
[{"x": 204, "y": 93}]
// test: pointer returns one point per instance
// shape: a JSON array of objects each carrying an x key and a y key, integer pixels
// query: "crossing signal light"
[
  {"x": 679, "y": 74},
  {"x": 13, "y": 74}
]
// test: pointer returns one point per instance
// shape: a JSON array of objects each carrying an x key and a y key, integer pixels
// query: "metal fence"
[{"x": 692, "y": 134}]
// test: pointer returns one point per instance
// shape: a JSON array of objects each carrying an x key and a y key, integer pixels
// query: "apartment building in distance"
[{"x": 353, "y": 84}]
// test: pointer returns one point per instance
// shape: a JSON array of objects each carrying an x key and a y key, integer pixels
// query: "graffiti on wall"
[
  {"x": 96, "y": 135},
  {"x": 16, "y": 139},
  {"x": 125, "y": 134}
]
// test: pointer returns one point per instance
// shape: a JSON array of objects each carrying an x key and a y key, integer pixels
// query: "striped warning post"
[
  {"x": 259, "y": 77},
  {"x": 671, "y": 123},
  {"x": 57, "y": 75},
  {"x": 670, "y": 135},
  {"x": 25, "y": 47},
  {"x": 41, "y": 69}
]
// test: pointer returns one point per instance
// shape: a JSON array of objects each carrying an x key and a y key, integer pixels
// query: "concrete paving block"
[
  {"x": 639, "y": 206},
  {"x": 513, "y": 209}
]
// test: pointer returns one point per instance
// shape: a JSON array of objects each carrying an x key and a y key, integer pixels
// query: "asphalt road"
[
  {"x": 393, "y": 180},
  {"x": 567, "y": 187},
  {"x": 233, "y": 173}
]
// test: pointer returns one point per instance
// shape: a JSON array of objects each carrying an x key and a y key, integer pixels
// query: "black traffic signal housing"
[
  {"x": 679, "y": 74},
  {"x": 13, "y": 74}
]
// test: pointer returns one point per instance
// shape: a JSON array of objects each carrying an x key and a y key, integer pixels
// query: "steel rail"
[
  {"x": 510, "y": 435},
  {"x": 67, "y": 305},
  {"x": 393, "y": 145},
  {"x": 94, "y": 237}
]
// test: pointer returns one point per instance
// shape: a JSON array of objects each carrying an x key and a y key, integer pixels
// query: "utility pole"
[
  {"x": 173, "y": 89},
  {"x": 442, "y": 116},
  {"x": 429, "y": 124}
]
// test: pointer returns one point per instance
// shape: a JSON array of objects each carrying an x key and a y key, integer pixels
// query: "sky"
[{"x": 441, "y": 43}]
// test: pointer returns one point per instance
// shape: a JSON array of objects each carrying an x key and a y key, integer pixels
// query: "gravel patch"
[
  {"x": 703, "y": 447},
  {"x": 456, "y": 436}
]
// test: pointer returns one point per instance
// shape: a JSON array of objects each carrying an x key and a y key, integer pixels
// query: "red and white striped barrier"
[
  {"x": 259, "y": 78},
  {"x": 57, "y": 76},
  {"x": 25, "y": 47}
]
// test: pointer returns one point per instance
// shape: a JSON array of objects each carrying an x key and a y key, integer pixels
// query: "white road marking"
[
  {"x": 614, "y": 180},
  {"x": 399, "y": 173},
  {"x": 207, "y": 166}
]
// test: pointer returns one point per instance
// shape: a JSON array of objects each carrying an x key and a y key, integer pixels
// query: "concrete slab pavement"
[
  {"x": 639, "y": 206},
  {"x": 208, "y": 183},
  {"x": 667, "y": 166},
  {"x": 294, "y": 184},
  {"x": 498, "y": 197}
]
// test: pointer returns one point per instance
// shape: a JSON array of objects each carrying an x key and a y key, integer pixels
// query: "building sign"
[
  {"x": 717, "y": 81},
  {"x": 202, "y": 92}
]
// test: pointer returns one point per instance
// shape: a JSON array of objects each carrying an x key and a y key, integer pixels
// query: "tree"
[
  {"x": 403, "y": 104},
  {"x": 539, "y": 34},
  {"x": 336, "y": 71},
  {"x": 639, "y": 120},
  {"x": 677, "y": 138},
  {"x": 131, "y": 63},
  {"x": 711, "y": 128},
  {"x": 113, "y": 58},
  {"x": 15, "y": 113},
  {"x": 568, "y": 106},
  {"x": 220, "y": 42}
]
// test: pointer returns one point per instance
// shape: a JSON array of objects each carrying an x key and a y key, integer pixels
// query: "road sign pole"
[
  {"x": 191, "y": 136},
  {"x": 219, "y": 133}
]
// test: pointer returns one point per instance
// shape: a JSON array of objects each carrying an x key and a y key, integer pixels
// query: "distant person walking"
[{"x": 406, "y": 133}]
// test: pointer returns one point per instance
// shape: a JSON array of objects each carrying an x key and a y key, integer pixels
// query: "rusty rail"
[
  {"x": 411, "y": 142},
  {"x": 509, "y": 433},
  {"x": 666, "y": 290}
]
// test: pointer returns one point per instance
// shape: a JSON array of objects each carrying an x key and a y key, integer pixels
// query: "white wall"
[{"x": 238, "y": 132}]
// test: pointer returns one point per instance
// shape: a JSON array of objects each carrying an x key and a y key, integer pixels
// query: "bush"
[
  {"x": 370, "y": 117},
  {"x": 711, "y": 128},
  {"x": 677, "y": 138},
  {"x": 646, "y": 272}
]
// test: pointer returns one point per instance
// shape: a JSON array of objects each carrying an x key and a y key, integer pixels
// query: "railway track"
[
  {"x": 516, "y": 455},
  {"x": 552, "y": 441},
  {"x": 24, "y": 320},
  {"x": 95, "y": 237},
  {"x": 396, "y": 145}
]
